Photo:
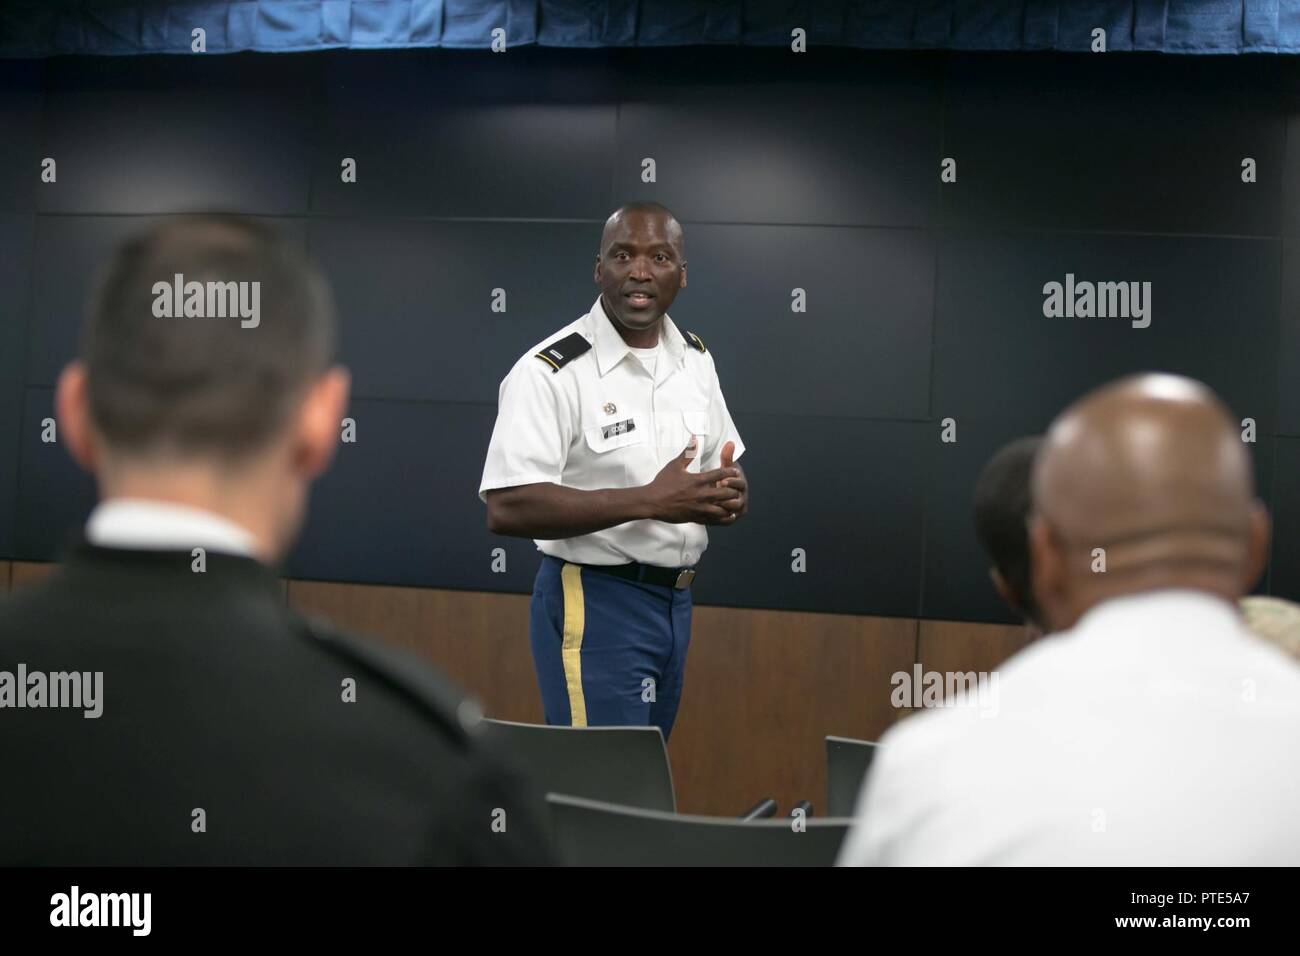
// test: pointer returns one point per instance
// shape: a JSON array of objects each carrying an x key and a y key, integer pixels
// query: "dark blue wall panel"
[
  {"x": 416, "y": 299},
  {"x": 474, "y": 135},
  {"x": 400, "y": 505},
  {"x": 862, "y": 348},
  {"x": 1143, "y": 144},
  {"x": 1288, "y": 392},
  {"x": 477, "y": 171},
  {"x": 776, "y": 142},
  {"x": 15, "y": 277},
  {"x": 1212, "y": 309},
  {"x": 151, "y": 135},
  {"x": 55, "y": 496},
  {"x": 844, "y": 490},
  {"x": 21, "y": 96},
  {"x": 69, "y": 251}
]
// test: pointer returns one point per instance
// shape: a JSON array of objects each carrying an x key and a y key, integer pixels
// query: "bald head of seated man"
[
  {"x": 1144, "y": 484},
  {"x": 1124, "y": 737}
]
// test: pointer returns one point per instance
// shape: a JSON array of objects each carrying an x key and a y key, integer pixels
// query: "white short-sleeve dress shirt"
[
  {"x": 602, "y": 420},
  {"x": 1158, "y": 731}
]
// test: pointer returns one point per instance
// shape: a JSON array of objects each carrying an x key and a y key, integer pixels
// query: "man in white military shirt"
[
  {"x": 613, "y": 448},
  {"x": 1155, "y": 729}
]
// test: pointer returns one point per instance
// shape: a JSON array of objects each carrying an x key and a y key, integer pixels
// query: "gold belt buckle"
[{"x": 684, "y": 578}]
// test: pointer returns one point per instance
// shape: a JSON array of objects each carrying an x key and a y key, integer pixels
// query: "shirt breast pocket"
[
  {"x": 694, "y": 423},
  {"x": 612, "y": 455}
]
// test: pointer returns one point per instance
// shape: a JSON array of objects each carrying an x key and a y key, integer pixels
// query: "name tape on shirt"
[{"x": 618, "y": 428}]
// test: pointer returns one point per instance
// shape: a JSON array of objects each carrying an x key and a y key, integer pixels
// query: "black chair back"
[
  {"x": 592, "y": 833},
  {"x": 625, "y": 765},
  {"x": 847, "y": 763}
]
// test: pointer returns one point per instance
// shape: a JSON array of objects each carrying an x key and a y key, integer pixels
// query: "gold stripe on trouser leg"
[{"x": 575, "y": 620}]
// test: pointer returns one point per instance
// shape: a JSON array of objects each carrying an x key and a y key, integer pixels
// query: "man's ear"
[
  {"x": 1046, "y": 564},
  {"x": 596, "y": 272},
  {"x": 683, "y": 285},
  {"x": 1005, "y": 590},
  {"x": 72, "y": 411},
  {"x": 320, "y": 422},
  {"x": 1261, "y": 532}
]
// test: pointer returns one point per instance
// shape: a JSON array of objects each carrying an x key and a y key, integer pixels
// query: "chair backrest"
[
  {"x": 625, "y": 765},
  {"x": 592, "y": 833},
  {"x": 847, "y": 762}
]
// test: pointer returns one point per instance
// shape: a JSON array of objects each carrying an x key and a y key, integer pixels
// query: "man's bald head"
[
  {"x": 1151, "y": 470},
  {"x": 617, "y": 223}
]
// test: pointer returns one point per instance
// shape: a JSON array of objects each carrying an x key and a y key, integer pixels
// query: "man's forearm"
[{"x": 548, "y": 511}]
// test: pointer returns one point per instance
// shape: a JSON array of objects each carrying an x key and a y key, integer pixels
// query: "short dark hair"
[
  {"x": 1003, "y": 502},
  {"x": 204, "y": 386}
]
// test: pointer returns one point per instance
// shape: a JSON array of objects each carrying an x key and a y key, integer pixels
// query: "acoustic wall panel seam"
[
  {"x": 18, "y": 463},
  {"x": 1280, "y": 332},
  {"x": 937, "y": 246},
  {"x": 613, "y": 164},
  {"x": 935, "y": 235},
  {"x": 1286, "y": 145},
  {"x": 24, "y": 340},
  {"x": 318, "y": 96},
  {"x": 1272, "y": 538},
  {"x": 523, "y": 220},
  {"x": 347, "y": 217},
  {"x": 399, "y": 400},
  {"x": 921, "y": 566},
  {"x": 957, "y": 231}
]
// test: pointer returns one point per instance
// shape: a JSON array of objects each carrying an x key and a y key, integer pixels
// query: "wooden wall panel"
[
  {"x": 5, "y": 571},
  {"x": 479, "y": 639},
  {"x": 964, "y": 646},
  {"x": 29, "y": 572},
  {"x": 764, "y": 688}
]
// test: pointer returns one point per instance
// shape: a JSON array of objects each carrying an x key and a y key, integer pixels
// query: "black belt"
[{"x": 648, "y": 573}]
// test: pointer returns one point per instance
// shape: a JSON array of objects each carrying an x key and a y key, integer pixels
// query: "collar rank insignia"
[{"x": 563, "y": 351}]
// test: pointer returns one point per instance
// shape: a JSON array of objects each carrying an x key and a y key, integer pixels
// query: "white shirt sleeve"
[
  {"x": 901, "y": 816},
  {"x": 877, "y": 818},
  {"x": 721, "y": 428},
  {"x": 533, "y": 431}
]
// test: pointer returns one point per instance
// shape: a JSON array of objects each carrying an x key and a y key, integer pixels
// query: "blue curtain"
[{"x": 37, "y": 28}]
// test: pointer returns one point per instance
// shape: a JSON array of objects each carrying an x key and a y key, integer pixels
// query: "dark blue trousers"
[{"x": 608, "y": 651}]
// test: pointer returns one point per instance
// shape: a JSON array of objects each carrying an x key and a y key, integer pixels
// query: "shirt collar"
[
  {"x": 142, "y": 524},
  {"x": 1179, "y": 612},
  {"x": 611, "y": 348}
]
